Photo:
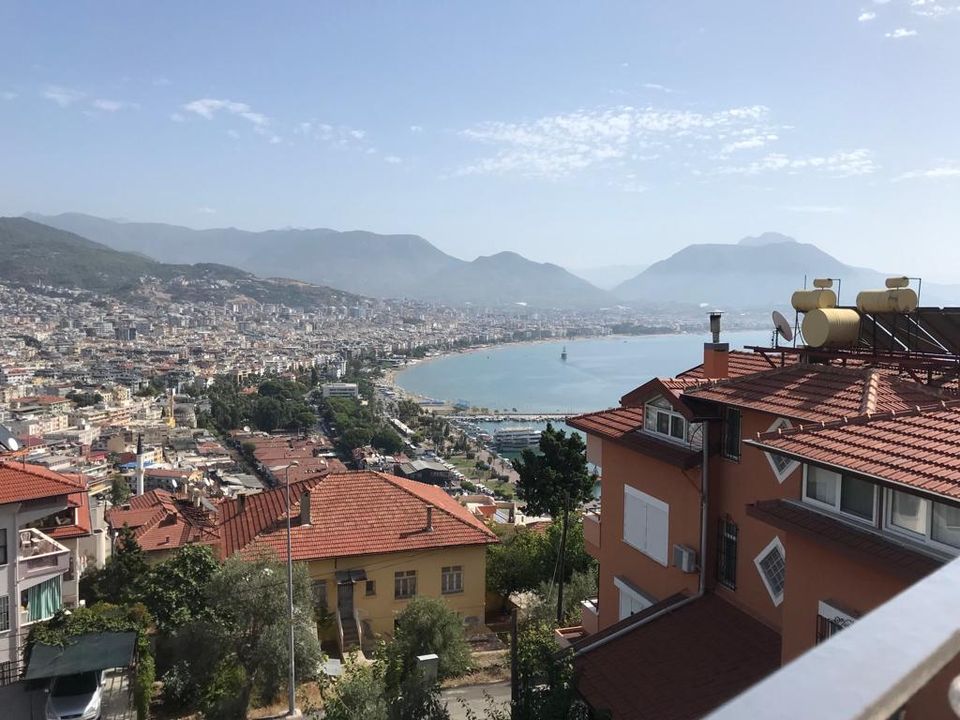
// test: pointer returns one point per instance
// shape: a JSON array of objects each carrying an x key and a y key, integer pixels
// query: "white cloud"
[
  {"x": 942, "y": 171},
  {"x": 113, "y": 105},
  {"x": 867, "y": 16},
  {"x": 560, "y": 145},
  {"x": 932, "y": 9},
  {"x": 392, "y": 159},
  {"x": 62, "y": 96},
  {"x": 815, "y": 209},
  {"x": 750, "y": 143},
  {"x": 880, "y": 2},
  {"x": 416, "y": 128},
  {"x": 206, "y": 210},
  {"x": 340, "y": 136},
  {"x": 900, "y": 33},
  {"x": 208, "y": 107},
  {"x": 7, "y": 95},
  {"x": 658, "y": 86},
  {"x": 845, "y": 163}
]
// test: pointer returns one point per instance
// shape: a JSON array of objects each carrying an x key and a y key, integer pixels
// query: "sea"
[{"x": 532, "y": 378}]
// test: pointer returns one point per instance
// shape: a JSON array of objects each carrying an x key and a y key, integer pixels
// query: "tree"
[
  {"x": 267, "y": 413},
  {"x": 516, "y": 563},
  {"x": 426, "y": 625},
  {"x": 547, "y": 690},
  {"x": 119, "y": 490},
  {"x": 362, "y": 694},
  {"x": 123, "y": 578},
  {"x": 174, "y": 592},
  {"x": 252, "y": 616},
  {"x": 554, "y": 481}
]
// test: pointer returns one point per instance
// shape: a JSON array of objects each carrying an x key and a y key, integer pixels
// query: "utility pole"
[
  {"x": 514, "y": 666},
  {"x": 291, "y": 685},
  {"x": 563, "y": 552}
]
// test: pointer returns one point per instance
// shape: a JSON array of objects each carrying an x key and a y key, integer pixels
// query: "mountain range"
[
  {"x": 32, "y": 253},
  {"x": 755, "y": 273}
]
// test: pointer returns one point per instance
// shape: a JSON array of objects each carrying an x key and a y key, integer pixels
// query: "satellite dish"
[
  {"x": 246, "y": 428},
  {"x": 782, "y": 325},
  {"x": 7, "y": 439}
]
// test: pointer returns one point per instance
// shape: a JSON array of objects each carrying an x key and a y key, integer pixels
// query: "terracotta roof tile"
[
  {"x": 624, "y": 426},
  {"x": 82, "y": 527},
  {"x": 919, "y": 447},
  {"x": 679, "y": 666},
  {"x": 23, "y": 481}
]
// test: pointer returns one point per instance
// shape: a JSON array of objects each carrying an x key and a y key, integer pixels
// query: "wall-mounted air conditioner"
[{"x": 685, "y": 558}]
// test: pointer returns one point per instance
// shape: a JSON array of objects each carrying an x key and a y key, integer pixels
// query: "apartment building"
[{"x": 742, "y": 520}]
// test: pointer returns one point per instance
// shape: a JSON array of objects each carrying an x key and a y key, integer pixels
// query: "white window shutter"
[{"x": 657, "y": 529}]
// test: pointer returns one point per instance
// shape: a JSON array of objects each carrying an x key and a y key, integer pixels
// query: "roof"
[
  {"x": 919, "y": 447},
  {"x": 624, "y": 425},
  {"x": 861, "y": 544},
  {"x": 365, "y": 513},
  {"x": 817, "y": 392},
  {"x": 741, "y": 362},
  {"x": 659, "y": 386},
  {"x": 680, "y": 665},
  {"x": 82, "y": 527},
  {"x": 83, "y": 653},
  {"x": 22, "y": 481},
  {"x": 161, "y": 521}
]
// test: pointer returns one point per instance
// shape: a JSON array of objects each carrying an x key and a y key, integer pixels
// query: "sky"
[{"x": 585, "y": 134}]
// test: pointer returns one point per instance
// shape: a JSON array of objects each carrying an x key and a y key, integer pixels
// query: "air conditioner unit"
[{"x": 685, "y": 558}]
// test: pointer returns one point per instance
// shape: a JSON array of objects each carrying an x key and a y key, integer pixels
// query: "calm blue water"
[{"x": 533, "y": 378}]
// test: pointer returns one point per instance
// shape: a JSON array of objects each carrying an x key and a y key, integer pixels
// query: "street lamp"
[{"x": 291, "y": 691}]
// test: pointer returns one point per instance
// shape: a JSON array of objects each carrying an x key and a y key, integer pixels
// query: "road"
[{"x": 477, "y": 698}]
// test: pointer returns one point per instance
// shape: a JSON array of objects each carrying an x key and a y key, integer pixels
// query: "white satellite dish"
[
  {"x": 7, "y": 440},
  {"x": 246, "y": 428},
  {"x": 782, "y": 325}
]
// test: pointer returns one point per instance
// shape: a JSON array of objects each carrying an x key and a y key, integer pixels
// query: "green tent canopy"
[{"x": 93, "y": 651}]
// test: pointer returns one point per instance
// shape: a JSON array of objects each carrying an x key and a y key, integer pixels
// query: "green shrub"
[
  {"x": 227, "y": 696},
  {"x": 143, "y": 685}
]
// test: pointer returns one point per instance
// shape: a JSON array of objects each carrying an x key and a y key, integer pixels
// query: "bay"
[{"x": 532, "y": 377}]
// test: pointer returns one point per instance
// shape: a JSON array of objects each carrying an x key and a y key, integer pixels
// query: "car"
[{"x": 75, "y": 696}]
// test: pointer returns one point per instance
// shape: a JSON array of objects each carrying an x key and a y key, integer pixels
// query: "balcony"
[
  {"x": 38, "y": 554},
  {"x": 590, "y": 616},
  {"x": 591, "y": 533}
]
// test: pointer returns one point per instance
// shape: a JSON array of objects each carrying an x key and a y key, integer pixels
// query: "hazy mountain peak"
[{"x": 767, "y": 238}]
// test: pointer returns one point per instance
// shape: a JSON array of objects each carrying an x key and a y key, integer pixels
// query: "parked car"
[{"x": 75, "y": 696}]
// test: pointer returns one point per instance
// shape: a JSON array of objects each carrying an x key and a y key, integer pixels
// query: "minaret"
[{"x": 139, "y": 464}]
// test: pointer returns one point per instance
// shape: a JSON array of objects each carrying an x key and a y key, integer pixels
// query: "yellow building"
[{"x": 372, "y": 541}]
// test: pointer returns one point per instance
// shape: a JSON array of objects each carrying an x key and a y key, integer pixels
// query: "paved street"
[{"x": 476, "y": 697}]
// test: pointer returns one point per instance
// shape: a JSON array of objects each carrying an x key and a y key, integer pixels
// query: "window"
[
  {"x": 4, "y": 613},
  {"x": 42, "y": 601},
  {"x": 727, "y": 532},
  {"x": 451, "y": 579},
  {"x": 646, "y": 523},
  {"x": 844, "y": 494},
  {"x": 371, "y": 588},
  {"x": 3, "y": 546},
  {"x": 662, "y": 419},
  {"x": 319, "y": 588},
  {"x": 781, "y": 465},
  {"x": 632, "y": 599},
  {"x": 831, "y": 620},
  {"x": 925, "y": 520},
  {"x": 404, "y": 584},
  {"x": 772, "y": 565},
  {"x": 731, "y": 433}
]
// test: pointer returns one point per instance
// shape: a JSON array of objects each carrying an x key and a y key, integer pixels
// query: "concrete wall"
[{"x": 380, "y": 609}]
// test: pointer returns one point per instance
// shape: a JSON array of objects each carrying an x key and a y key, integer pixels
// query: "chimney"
[
  {"x": 716, "y": 356},
  {"x": 305, "y": 508},
  {"x": 429, "y": 527}
]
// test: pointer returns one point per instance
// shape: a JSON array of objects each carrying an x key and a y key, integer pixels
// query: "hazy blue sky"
[{"x": 583, "y": 133}]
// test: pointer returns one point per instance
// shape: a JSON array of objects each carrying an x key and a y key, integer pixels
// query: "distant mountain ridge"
[
  {"x": 356, "y": 261},
  {"x": 32, "y": 253}
]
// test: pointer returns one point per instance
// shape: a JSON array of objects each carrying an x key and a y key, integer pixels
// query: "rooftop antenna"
[{"x": 782, "y": 328}]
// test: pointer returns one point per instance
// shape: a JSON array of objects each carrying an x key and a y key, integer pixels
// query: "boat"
[
  {"x": 563, "y": 354},
  {"x": 516, "y": 438}
]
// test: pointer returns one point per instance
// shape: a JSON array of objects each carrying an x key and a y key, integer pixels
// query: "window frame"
[
  {"x": 7, "y": 611},
  {"x": 837, "y": 507},
  {"x": 792, "y": 465},
  {"x": 370, "y": 588},
  {"x": 454, "y": 572},
  {"x": 672, "y": 415},
  {"x": 725, "y": 436},
  {"x": 836, "y": 619},
  {"x": 635, "y": 595},
  {"x": 651, "y": 501},
  {"x": 4, "y": 548},
  {"x": 728, "y": 579},
  {"x": 926, "y": 538},
  {"x": 401, "y": 579},
  {"x": 774, "y": 544}
]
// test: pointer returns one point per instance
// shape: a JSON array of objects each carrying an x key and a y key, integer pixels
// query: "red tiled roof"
[
  {"x": 82, "y": 527},
  {"x": 22, "y": 481},
  {"x": 919, "y": 447},
  {"x": 658, "y": 386},
  {"x": 679, "y": 666},
  {"x": 741, "y": 362},
  {"x": 863, "y": 545},
  {"x": 364, "y": 513},
  {"x": 817, "y": 392},
  {"x": 624, "y": 425},
  {"x": 161, "y": 521}
]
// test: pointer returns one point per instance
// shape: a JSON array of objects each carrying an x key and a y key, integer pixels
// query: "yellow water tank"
[
  {"x": 807, "y": 300},
  {"x": 831, "y": 327},
  {"x": 896, "y": 300}
]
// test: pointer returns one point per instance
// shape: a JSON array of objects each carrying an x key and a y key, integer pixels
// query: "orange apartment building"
[{"x": 759, "y": 503}]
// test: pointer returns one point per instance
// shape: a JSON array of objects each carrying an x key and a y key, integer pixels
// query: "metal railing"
[
  {"x": 874, "y": 667},
  {"x": 38, "y": 553}
]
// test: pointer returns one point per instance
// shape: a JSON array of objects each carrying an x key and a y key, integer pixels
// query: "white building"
[{"x": 347, "y": 390}]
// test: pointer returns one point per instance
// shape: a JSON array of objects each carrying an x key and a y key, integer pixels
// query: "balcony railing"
[
  {"x": 591, "y": 533},
  {"x": 39, "y": 554},
  {"x": 874, "y": 667}
]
